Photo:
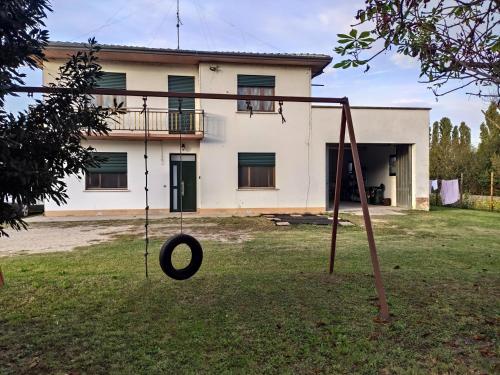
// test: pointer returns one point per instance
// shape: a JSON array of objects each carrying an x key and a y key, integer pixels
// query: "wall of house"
[
  {"x": 299, "y": 144},
  {"x": 132, "y": 199},
  {"x": 229, "y": 132},
  {"x": 151, "y": 77},
  {"x": 374, "y": 125}
]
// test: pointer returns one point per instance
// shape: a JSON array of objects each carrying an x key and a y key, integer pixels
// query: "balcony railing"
[{"x": 160, "y": 120}]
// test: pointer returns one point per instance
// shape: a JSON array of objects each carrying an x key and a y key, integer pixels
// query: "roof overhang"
[{"x": 61, "y": 50}]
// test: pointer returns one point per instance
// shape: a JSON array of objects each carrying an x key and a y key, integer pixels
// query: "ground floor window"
[
  {"x": 110, "y": 173},
  {"x": 256, "y": 170}
]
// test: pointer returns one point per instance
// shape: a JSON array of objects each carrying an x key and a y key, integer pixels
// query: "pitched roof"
[{"x": 111, "y": 52}]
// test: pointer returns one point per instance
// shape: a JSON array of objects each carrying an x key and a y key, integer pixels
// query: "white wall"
[
  {"x": 229, "y": 132},
  {"x": 151, "y": 77},
  {"x": 373, "y": 125},
  {"x": 133, "y": 197}
]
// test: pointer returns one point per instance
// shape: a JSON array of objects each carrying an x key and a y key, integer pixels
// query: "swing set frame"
[{"x": 345, "y": 123}]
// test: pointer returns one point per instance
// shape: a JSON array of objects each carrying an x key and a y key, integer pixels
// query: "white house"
[{"x": 231, "y": 162}]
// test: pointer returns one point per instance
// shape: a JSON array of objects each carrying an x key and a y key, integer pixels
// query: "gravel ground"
[{"x": 66, "y": 236}]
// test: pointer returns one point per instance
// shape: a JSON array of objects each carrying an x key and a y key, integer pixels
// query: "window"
[
  {"x": 256, "y": 170},
  {"x": 184, "y": 122},
  {"x": 256, "y": 85},
  {"x": 392, "y": 165},
  {"x": 111, "y": 173},
  {"x": 111, "y": 81}
]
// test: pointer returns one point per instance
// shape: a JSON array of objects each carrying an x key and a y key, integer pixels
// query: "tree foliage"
[
  {"x": 453, "y": 40},
  {"x": 452, "y": 154},
  {"x": 42, "y": 145},
  {"x": 22, "y": 40}
]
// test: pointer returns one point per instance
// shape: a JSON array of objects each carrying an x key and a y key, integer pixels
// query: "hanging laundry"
[
  {"x": 450, "y": 192},
  {"x": 433, "y": 185}
]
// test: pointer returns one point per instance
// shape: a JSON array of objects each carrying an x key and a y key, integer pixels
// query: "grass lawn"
[{"x": 266, "y": 305}]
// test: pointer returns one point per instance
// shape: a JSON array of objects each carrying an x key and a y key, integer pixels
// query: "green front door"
[{"x": 182, "y": 182}]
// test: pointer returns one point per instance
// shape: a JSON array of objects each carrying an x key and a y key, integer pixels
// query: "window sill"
[
  {"x": 257, "y": 188},
  {"x": 258, "y": 112},
  {"x": 104, "y": 190}
]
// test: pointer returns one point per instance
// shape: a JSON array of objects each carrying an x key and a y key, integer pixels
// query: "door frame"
[
  {"x": 404, "y": 176},
  {"x": 171, "y": 190}
]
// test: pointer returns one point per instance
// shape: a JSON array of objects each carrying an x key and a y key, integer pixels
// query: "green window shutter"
[
  {"x": 112, "y": 81},
  {"x": 181, "y": 84},
  {"x": 111, "y": 162},
  {"x": 256, "y": 159},
  {"x": 245, "y": 80}
]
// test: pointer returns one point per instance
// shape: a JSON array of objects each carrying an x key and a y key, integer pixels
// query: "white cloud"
[
  {"x": 417, "y": 102},
  {"x": 404, "y": 61}
]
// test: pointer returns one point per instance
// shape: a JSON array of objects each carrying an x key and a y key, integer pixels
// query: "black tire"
[{"x": 166, "y": 257}]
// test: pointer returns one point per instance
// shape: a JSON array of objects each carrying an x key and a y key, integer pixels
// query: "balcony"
[{"x": 163, "y": 124}]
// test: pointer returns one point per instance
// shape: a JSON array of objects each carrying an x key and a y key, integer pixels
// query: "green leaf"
[
  {"x": 353, "y": 33},
  {"x": 344, "y": 36},
  {"x": 340, "y": 64},
  {"x": 496, "y": 46},
  {"x": 364, "y": 34},
  {"x": 343, "y": 41}
]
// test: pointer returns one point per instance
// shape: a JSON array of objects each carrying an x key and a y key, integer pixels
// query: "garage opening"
[{"x": 386, "y": 171}]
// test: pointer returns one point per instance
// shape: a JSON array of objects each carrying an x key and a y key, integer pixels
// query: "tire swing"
[
  {"x": 166, "y": 256},
  {"x": 171, "y": 244}
]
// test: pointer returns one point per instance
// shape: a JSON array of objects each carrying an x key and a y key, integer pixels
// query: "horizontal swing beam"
[
  {"x": 345, "y": 122},
  {"x": 171, "y": 94}
]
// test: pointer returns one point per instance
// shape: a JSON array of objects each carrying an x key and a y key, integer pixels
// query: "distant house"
[{"x": 231, "y": 162}]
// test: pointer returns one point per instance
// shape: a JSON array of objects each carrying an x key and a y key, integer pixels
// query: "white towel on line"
[{"x": 450, "y": 192}]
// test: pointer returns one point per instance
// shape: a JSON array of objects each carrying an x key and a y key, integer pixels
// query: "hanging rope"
[
  {"x": 146, "y": 188},
  {"x": 180, "y": 153},
  {"x": 249, "y": 107},
  {"x": 280, "y": 111}
]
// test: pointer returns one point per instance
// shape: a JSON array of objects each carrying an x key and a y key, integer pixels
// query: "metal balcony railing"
[{"x": 162, "y": 120}]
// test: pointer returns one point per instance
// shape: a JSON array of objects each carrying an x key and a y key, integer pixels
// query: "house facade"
[{"x": 213, "y": 157}]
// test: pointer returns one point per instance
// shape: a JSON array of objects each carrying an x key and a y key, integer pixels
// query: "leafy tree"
[
  {"x": 42, "y": 145},
  {"x": 452, "y": 40},
  {"x": 451, "y": 152},
  {"x": 465, "y": 137},
  {"x": 22, "y": 40},
  {"x": 434, "y": 152},
  {"x": 489, "y": 147}
]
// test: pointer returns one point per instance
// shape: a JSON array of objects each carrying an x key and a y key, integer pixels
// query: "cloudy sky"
[{"x": 259, "y": 26}]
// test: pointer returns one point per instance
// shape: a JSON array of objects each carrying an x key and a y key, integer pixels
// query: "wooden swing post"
[{"x": 347, "y": 120}]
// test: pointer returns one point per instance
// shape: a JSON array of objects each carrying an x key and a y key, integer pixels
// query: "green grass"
[{"x": 264, "y": 306}]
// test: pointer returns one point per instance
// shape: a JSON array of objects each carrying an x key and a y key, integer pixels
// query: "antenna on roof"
[{"x": 179, "y": 23}]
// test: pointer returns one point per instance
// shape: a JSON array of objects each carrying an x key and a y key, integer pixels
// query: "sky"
[{"x": 257, "y": 26}]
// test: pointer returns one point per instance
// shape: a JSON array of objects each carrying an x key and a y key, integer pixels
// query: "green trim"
[
  {"x": 245, "y": 80},
  {"x": 181, "y": 84},
  {"x": 110, "y": 162},
  {"x": 109, "y": 80},
  {"x": 256, "y": 159}
]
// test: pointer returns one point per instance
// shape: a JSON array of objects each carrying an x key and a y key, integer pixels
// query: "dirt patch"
[
  {"x": 51, "y": 237},
  {"x": 56, "y": 238},
  {"x": 203, "y": 232}
]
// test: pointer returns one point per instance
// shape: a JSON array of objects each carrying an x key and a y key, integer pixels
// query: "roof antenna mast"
[{"x": 179, "y": 23}]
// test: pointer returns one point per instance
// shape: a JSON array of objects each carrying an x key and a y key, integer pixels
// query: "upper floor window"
[
  {"x": 256, "y": 170},
  {"x": 109, "y": 80},
  {"x": 110, "y": 173},
  {"x": 256, "y": 85}
]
